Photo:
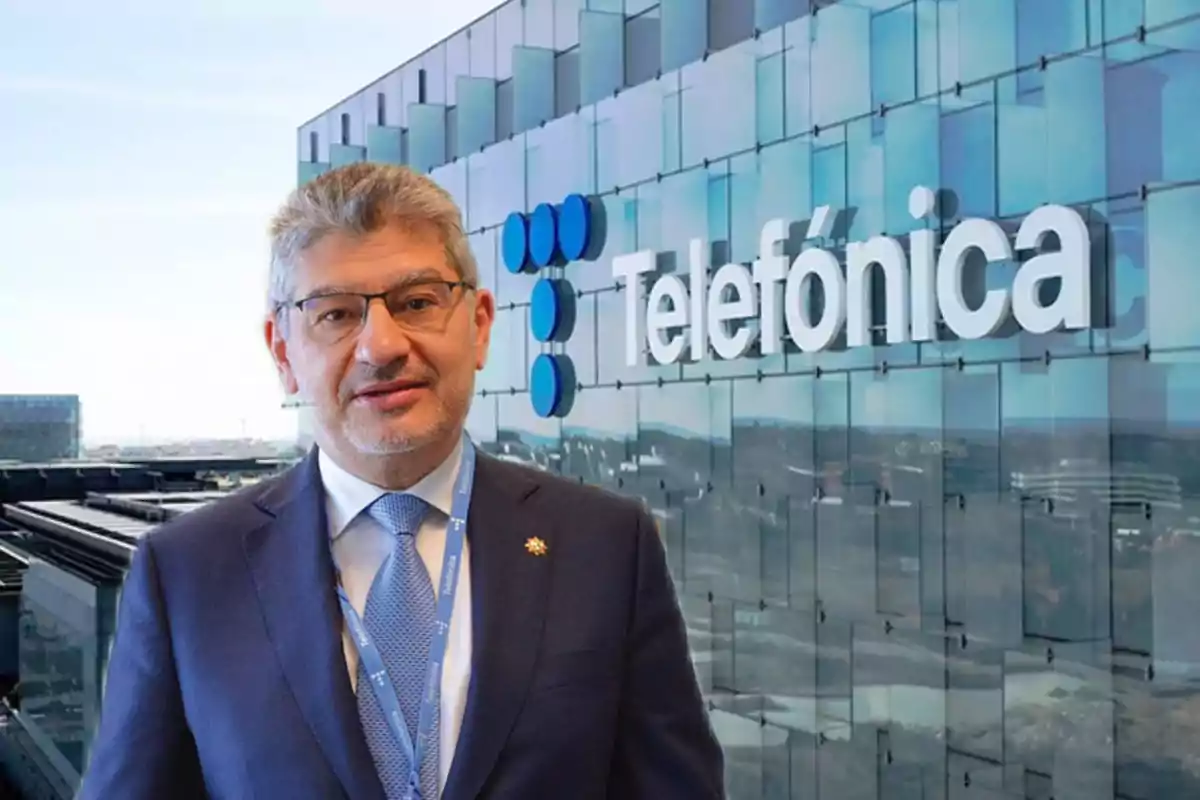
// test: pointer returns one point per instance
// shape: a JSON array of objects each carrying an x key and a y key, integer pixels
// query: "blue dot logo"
[
  {"x": 575, "y": 227},
  {"x": 543, "y": 237},
  {"x": 552, "y": 385},
  {"x": 552, "y": 310},
  {"x": 553, "y": 236},
  {"x": 514, "y": 244}
]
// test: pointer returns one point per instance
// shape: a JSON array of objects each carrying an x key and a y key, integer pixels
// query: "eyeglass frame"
[{"x": 369, "y": 297}]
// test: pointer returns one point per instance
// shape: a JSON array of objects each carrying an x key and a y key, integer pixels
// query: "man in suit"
[{"x": 398, "y": 616}]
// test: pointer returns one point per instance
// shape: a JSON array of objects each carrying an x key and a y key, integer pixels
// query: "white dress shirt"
[{"x": 360, "y": 546}]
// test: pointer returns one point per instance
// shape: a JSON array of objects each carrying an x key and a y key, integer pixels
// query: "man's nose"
[{"x": 381, "y": 341}]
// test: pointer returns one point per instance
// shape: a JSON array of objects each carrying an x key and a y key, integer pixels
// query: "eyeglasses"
[{"x": 418, "y": 307}]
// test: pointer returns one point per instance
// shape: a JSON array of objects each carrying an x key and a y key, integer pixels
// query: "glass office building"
[
  {"x": 943, "y": 556},
  {"x": 35, "y": 428}
]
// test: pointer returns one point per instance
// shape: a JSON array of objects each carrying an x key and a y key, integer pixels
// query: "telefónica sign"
[{"x": 693, "y": 317}]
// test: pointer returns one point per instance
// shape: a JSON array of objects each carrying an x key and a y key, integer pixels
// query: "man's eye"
[{"x": 421, "y": 301}]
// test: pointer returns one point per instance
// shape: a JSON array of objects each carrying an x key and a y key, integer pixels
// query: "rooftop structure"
[{"x": 67, "y": 534}]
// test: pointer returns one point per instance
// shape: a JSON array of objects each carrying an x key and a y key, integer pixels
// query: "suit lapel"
[
  {"x": 508, "y": 593},
  {"x": 293, "y": 575}
]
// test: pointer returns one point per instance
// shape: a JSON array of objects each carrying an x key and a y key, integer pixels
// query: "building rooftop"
[
  {"x": 23, "y": 398},
  {"x": 84, "y": 519}
]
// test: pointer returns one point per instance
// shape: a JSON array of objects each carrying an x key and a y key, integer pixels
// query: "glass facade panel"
[
  {"x": 643, "y": 47},
  {"x": 840, "y": 59},
  {"x": 620, "y": 222},
  {"x": 308, "y": 170},
  {"x": 533, "y": 87},
  {"x": 539, "y": 22},
  {"x": 483, "y": 47},
  {"x": 566, "y": 83},
  {"x": 342, "y": 154},
  {"x": 769, "y": 88},
  {"x": 1171, "y": 242},
  {"x": 798, "y": 77},
  {"x": 631, "y": 136},
  {"x": 434, "y": 64},
  {"x": 65, "y": 631},
  {"x": 476, "y": 113},
  {"x": 717, "y": 101},
  {"x": 978, "y": 40},
  {"x": 453, "y": 178},
  {"x": 510, "y": 34},
  {"x": 601, "y": 54},
  {"x": 893, "y": 56},
  {"x": 958, "y": 568},
  {"x": 684, "y": 32},
  {"x": 560, "y": 158},
  {"x": 458, "y": 64},
  {"x": 426, "y": 136},
  {"x": 566, "y": 22},
  {"x": 772, "y": 13},
  {"x": 385, "y": 144},
  {"x": 497, "y": 178}
]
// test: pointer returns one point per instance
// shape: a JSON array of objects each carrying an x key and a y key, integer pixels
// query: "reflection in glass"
[{"x": 965, "y": 569}]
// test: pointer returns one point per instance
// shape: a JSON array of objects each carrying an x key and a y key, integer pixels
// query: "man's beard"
[{"x": 378, "y": 438}]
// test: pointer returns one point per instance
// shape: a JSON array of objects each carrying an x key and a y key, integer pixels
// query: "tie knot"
[{"x": 399, "y": 513}]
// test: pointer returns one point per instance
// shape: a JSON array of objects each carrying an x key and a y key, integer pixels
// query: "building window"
[
  {"x": 381, "y": 109},
  {"x": 313, "y": 147},
  {"x": 345, "y": 129},
  {"x": 421, "y": 85}
]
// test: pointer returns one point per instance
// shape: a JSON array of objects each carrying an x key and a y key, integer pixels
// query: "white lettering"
[
  {"x": 922, "y": 252},
  {"x": 969, "y": 235},
  {"x": 805, "y": 334},
  {"x": 860, "y": 261},
  {"x": 743, "y": 305},
  {"x": 660, "y": 319},
  {"x": 631, "y": 267},
  {"x": 731, "y": 299},
  {"x": 698, "y": 266},
  {"x": 1072, "y": 264},
  {"x": 769, "y": 270}
]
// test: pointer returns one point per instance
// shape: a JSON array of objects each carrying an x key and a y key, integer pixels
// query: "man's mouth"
[
  {"x": 391, "y": 387},
  {"x": 390, "y": 396}
]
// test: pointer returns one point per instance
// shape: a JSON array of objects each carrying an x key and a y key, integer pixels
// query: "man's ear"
[
  {"x": 278, "y": 346},
  {"x": 485, "y": 315}
]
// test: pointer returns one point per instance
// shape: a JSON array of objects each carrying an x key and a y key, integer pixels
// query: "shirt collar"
[{"x": 348, "y": 495}]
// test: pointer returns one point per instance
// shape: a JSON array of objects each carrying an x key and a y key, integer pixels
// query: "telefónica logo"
[
  {"x": 724, "y": 313},
  {"x": 727, "y": 312}
]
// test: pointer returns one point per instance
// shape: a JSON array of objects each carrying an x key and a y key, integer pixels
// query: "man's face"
[{"x": 403, "y": 379}]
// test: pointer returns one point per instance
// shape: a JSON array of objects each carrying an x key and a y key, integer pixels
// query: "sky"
[{"x": 145, "y": 146}]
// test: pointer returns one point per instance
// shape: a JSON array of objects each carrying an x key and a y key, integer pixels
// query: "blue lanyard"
[{"x": 381, "y": 682}]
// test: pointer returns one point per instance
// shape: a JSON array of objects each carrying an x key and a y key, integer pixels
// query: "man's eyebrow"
[
  {"x": 421, "y": 275},
  {"x": 416, "y": 276}
]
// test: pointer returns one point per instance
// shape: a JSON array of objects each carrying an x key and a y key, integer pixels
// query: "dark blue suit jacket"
[{"x": 227, "y": 677}]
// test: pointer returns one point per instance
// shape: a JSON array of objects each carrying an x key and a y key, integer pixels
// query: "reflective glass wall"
[
  {"x": 66, "y": 628},
  {"x": 954, "y": 569},
  {"x": 39, "y": 428}
]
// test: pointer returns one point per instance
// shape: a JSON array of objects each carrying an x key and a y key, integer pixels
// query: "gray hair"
[{"x": 359, "y": 199}]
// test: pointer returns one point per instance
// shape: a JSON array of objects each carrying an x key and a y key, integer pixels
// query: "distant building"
[{"x": 35, "y": 427}]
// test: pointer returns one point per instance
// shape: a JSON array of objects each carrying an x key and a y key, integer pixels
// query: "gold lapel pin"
[{"x": 535, "y": 546}]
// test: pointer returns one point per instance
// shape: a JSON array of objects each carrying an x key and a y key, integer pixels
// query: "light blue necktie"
[{"x": 400, "y": 614}]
